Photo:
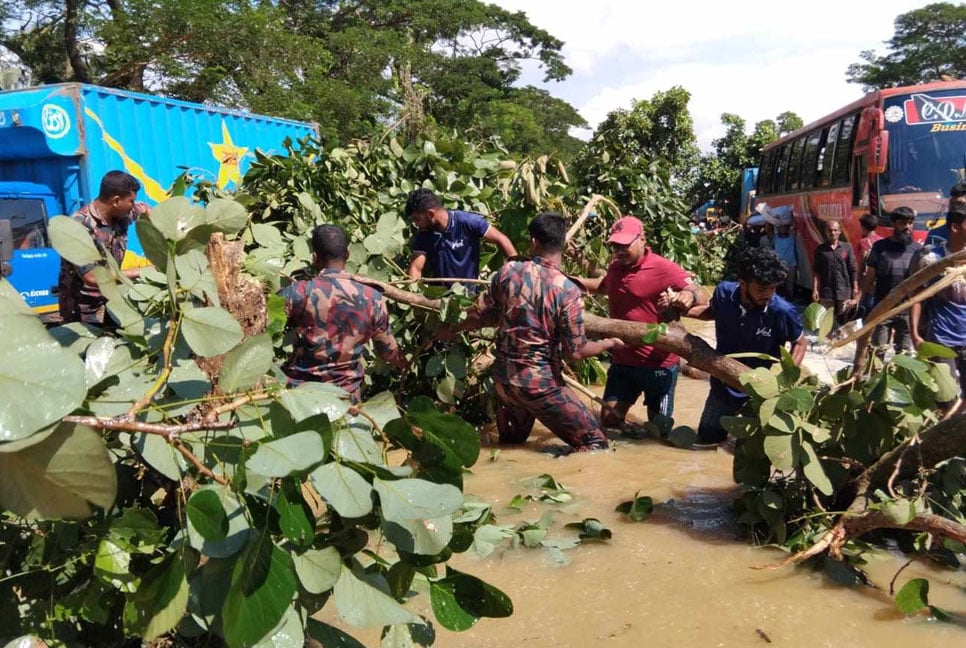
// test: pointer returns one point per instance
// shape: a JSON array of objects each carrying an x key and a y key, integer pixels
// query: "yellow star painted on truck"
[{"x": 229, "y": 157}]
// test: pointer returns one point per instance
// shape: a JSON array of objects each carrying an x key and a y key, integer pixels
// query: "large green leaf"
[
  {"x": 153, "y": 243},
  {"x": 913, "y": 596},
  {"x": 225, "y": 215},
  {"x": 57, "y": 477},
  {"x": 814, "y": 471},
  {"x": 344, "y": 489},
  {"x": 426, "y": 537},
  {"x": 40, "y": 381},
  {"x": 159, "y": 454},
  {"x": 73, "y": 241},
  {"x": 760, "y": 382},
  {"x": 416, "y": 499},
  {"x": 782, "y": 451},
  {"x": 457, "y": 438},
  {"x": 289, "y": 632},
  {"x": 355, "y": 443},
  {"x": 207, "y": 515},
  {"x": 330, "y": 636},
  {"x": 318, "y": 569},
  {"x": 238, "y": 528},
  {"x": 177, "y": 216},
  {"x": 381, "y": 408},
  {"x": 361, "y": 605},
  {"x": 291, "y": 454},
  {"x": 210, "y": 331},
  {"x": 460, "y": 600},
  {"x": 246, "y": 364},
  {"x": 947, "y": 389},
  {"x": 262, "y": 587},
  {"x": 294, "y": 516},
  {"x": 314, "y": 398},
  {"x": 160, "y": 602}
]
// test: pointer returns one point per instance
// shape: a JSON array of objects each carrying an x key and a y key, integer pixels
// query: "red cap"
[{"x": 626, "y": 230}]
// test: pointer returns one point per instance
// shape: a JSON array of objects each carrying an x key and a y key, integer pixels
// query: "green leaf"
[
  {"x": 289, "y": 632},
  {"x": 899, "y": 511},
  {"x": 313, "y": 398},
  {"x": 40, "y": 381},
  {"x": 246, "y": 364},
  {"x": 153, "y": 243},
  {"x": 73, "y": 241},
  {"x": 460, "y": 600},
  {"x": 426, "y": 537},
  {"x": 760, "y": 382},
  {"x": 225, "y": 215},
  {"x": 330, "y": 636},
  {"x": 415, "y": 499},
  {"x": 929, "y": 350},
  {"x": 782, "y": 451},
  {"x": 177, "y": 216},
  {"x": 796, "y": 399},
  {"x": 207, "y": 515},
  {"x": 210, "y": 331},
  {"x": 318, "y": 569},
  {"x": 590, "y": 529},
  {"x": 344, "y": 489},
  {"x": 238, "y": 528},
  {"x": 361, "y": 605},
  {"x": 355, "y": 443},
  {"x": 262, "y": 586},
  {"x": 288, "y": 455},
  {"x": 294, "y": 516},
  {"x": 638, "y": 509},
  {"x": 160, "y": 602},
  {"x": 913, "y": 596},
  {"x": 740, "y": 427},
  {"x": 947, "y": 387},
  {"x": 112, "y": 564},
  {"x": 159, "y": 454},
  {"x": 59, "y": 475},
  {"x": 814, "y": 471}
]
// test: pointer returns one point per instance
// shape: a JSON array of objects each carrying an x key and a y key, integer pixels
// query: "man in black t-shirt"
[
  {"x": 888, "y": 264},
  {"x": 835, "y": 281}
]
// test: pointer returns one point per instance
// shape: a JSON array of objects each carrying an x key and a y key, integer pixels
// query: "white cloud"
[{"x": 755, "y": 58}]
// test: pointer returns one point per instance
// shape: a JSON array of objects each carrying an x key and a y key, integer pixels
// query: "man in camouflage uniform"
[
  {"x": 107, "y": 218},
  {"x": 539, "y": 312},
  {"x": 333, "y": 317}
]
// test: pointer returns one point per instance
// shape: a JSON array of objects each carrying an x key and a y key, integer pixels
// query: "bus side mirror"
[
  {"x": 6, "y": 240},
  {"x": 879, "y": 151}
]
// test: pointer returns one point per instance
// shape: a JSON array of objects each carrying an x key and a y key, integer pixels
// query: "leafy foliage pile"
[
  {"x": 141, "y": 499},
  {"x": 804, "y": 444}
]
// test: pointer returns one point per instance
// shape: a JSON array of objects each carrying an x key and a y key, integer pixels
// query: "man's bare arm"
[{"x": 499, "y": 239}]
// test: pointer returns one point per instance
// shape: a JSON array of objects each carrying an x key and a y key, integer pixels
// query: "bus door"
[{"x": 34, "y": 265}]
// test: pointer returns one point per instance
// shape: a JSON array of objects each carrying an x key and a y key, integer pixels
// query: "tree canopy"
[
  {"x": 353, "y": 66},
  {"x": 929, "y": 44}
]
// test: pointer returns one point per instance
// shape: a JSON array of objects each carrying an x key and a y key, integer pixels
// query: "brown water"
[{"x": 681, "y": 578}]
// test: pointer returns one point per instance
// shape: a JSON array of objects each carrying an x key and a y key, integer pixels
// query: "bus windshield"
[
  {"x": 927, "y": 142},
  {"x": 28, "y": 219}
]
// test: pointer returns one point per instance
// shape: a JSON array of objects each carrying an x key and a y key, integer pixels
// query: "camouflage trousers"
[{"x": 557, "y": 407}]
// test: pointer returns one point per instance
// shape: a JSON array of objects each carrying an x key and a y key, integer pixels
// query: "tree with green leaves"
[
  {"x": 355, "y": 67},
  {"x": 929, "y": 44}
]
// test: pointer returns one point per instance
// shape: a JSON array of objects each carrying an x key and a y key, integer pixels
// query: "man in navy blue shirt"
[
  {"x": 448, "y": 242},
  {"x": 748, "y": 318}
]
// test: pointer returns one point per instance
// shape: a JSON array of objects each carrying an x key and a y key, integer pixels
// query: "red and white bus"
[{"x": 894, "y": 147}]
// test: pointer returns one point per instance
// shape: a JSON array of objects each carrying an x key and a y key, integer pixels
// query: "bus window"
[
  {"x": 860, "y": 181},
  {"x": 810, "y": 159},
  {"x": 781, "y": 168},
  {"x": 793, "y": 177},
  {"x": 28, "y": 219},
  {"x": 766, "y": 173},
  {"x": 843, "y": 152},
  {"x": 827, "y": 156}
]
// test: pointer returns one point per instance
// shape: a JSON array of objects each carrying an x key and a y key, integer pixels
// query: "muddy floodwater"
[{"x": 681, "y": 578}]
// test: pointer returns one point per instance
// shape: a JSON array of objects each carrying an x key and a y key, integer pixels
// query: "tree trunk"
[{"x": 77, "y": 64}]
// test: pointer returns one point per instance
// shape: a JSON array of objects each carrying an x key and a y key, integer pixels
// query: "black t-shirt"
[{"x": 891, "y": 261}]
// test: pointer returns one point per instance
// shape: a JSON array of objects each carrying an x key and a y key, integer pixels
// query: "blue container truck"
[{"x": 57, "y": 142}]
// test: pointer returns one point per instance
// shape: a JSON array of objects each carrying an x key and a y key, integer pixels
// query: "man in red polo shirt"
[{"x": 641, "y": 287}]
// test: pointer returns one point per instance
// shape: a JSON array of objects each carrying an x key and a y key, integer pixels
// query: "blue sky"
[{"x": 753, "y": 58}]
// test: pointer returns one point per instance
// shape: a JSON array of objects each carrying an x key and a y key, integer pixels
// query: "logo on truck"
[{"x": 55, "y": 121}]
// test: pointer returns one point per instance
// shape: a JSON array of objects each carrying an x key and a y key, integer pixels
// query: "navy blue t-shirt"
[
  {"x": 739, "y": 330},
  {"x": 454, "y": 252}
]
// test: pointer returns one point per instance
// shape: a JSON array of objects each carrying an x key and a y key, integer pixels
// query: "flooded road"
[{"x": 683, "y": 577}]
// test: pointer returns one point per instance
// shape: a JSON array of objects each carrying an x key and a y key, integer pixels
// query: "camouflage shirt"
[
  {"x": 539, "y": 313},
  {"x": 333, "y": 317},
  {"x": 80, "y": 302}
]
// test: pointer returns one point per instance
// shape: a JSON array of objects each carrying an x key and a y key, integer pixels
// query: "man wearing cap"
[
  {"x": 641, "y": 286},
  {"x": 448, "y": 242},
  {"x": 888, "y": 264}
]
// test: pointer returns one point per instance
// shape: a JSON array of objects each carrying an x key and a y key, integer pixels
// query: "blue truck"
[{"x": 57, "y": 142}]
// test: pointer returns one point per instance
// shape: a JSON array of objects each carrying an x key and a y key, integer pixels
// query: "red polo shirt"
[{"x": 633, "y": 293}]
